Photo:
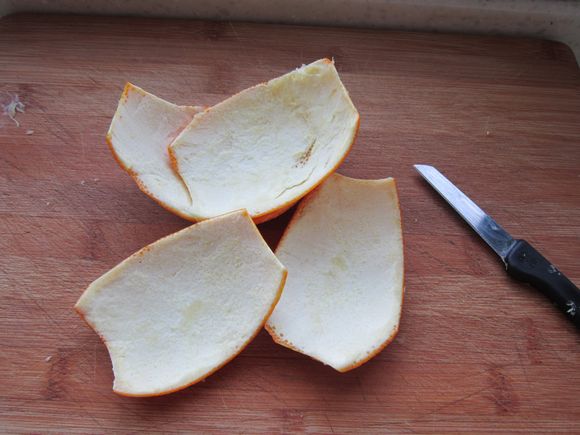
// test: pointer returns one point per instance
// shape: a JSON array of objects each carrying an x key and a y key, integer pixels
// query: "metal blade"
[{"x": 488, "y": 229}]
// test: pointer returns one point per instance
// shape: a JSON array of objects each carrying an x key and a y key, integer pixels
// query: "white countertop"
[{"x": 546, "y": 19}]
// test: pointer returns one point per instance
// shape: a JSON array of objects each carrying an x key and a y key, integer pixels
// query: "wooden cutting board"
[{"x": 476, "y": 351}]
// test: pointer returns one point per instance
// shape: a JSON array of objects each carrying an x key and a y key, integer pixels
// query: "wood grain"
[{"x": 476, "y": 352}]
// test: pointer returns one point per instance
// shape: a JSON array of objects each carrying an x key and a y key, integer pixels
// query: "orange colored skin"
[
  {"x": 281, "y": 341},
  {"x": 242, "y": 347}
]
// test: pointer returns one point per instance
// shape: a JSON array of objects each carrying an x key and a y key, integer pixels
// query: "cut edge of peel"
[
  {"x": 146, "y": 248},
  {"x": 299, "y": 210}
]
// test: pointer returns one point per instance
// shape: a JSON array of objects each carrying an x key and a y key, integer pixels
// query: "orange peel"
[
  {"x": 142, "y": 128},
  {"x": 181, "y": 308},
  {"x": 344, "y": 252}
]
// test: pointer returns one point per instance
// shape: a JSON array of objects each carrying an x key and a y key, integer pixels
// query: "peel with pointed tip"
[{"x": 141, "y": 130}]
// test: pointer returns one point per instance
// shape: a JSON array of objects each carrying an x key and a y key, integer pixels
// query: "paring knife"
[{"x": 522, "y": 261}]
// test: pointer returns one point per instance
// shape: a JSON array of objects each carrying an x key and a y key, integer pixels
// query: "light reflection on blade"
[{"x": 488, "y": 229}]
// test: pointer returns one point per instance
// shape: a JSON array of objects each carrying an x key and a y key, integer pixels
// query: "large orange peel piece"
[
  {"x": 182, "y": 307},
  {"x": 344, "y": 253}
]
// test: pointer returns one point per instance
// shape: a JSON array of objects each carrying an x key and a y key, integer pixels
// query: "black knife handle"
[{"x": 526, "y": 264}]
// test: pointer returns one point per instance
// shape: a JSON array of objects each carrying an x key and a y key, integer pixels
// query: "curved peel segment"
[
  {"x": 141, "y": 130},
  {"x": 266, "y": 147},
  {"x": 344, "y": 253},
  {"x": 182, "y": 307}
]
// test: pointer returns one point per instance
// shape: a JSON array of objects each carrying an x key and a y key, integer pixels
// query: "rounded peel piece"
[
  {"x": 182, "y": 307},
  {"x": 344, "y": 252},
  {"x": 141, "y": 130},
  {"x": 266, "y": 147}
]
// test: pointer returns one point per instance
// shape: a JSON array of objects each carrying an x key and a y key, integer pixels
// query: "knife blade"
[{"x": 523, "y": 262}]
